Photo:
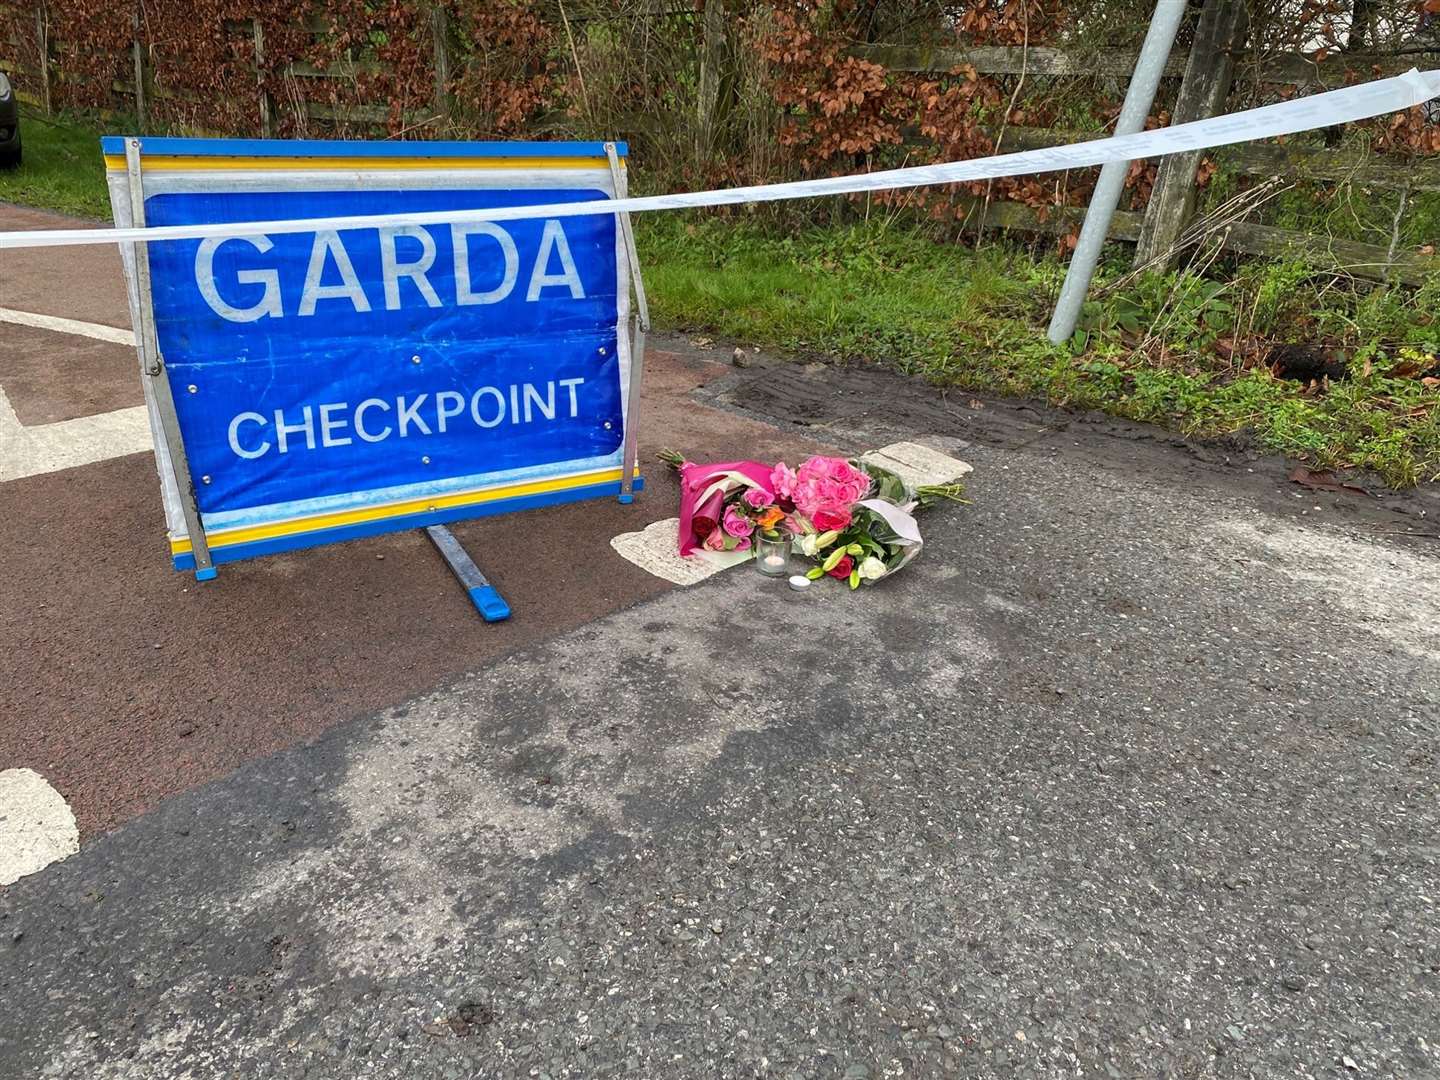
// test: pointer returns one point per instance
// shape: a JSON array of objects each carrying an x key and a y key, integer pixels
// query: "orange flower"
[{"x": 770, "y": 517}]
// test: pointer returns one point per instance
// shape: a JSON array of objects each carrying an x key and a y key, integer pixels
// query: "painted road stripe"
[
  {"x": 68, "y": 326},
  {"x": 31, "y": 451},
  {"x": 36, "y": 825},
  {"x": 655, "y": 549},
  {"x": 85, "y": 440}
]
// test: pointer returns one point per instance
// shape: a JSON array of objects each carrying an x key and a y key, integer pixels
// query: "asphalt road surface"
[{"x": 1133, "y": 773}]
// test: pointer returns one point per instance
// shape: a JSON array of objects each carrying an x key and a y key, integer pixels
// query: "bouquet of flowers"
[{"x": 853, "y": 519}]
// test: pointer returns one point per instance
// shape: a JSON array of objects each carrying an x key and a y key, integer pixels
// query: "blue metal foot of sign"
[
  {"x": 487, "y": 601},
  {"x": 626, "y": 498},
  {"x": 490, "y": 603},
  {"x": 207, "y": 574}
]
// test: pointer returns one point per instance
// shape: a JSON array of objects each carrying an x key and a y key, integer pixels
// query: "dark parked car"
[{"x": 9, "y": 125}]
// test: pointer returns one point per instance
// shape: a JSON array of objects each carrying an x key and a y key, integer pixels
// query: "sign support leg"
[
  {"x": 483, "y": 595},
  {"x": 154, "y": 370},
  {"x": 630, "y": 463},
  {"x": 629, "y": 458}
]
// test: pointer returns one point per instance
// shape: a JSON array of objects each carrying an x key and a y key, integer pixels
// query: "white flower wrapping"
[{"x": 907, "y": 535}]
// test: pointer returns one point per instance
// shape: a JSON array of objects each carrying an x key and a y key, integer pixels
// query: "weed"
[
  {"x": 1187, "y": 350},
  {"x": 62, "y": 169},
  {"x": 1183, "y": 350}
]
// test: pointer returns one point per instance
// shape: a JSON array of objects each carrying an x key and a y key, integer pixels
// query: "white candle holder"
[{"x": 772, "y": 553}]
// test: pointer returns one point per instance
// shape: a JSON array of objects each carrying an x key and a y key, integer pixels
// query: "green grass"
[
  {"x": 1152, "y": 349},
  {"x": 61, "y": 170}
]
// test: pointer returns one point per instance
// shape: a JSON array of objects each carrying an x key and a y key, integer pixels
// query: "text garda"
[{"x": 553, "y": 267}]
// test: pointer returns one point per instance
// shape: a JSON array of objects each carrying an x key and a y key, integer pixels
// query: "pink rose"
[
  {"x": 816, "y": 484},
  {"x": 698, "y": 522},
  {"x": 847, "y": 478},
  {"x": 807, "y": 499},
  {"x": 815, "y": 493},
  {"x": 715, "y": 541},
  {"x": 737, "y": 524},
  {"x": 756, "y": 498}
]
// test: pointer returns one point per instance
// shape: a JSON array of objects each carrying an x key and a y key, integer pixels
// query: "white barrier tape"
[{"x": 1286, "y": 118}]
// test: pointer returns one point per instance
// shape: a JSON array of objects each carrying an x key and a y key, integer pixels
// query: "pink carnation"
[{"x": 782, "y": 481}]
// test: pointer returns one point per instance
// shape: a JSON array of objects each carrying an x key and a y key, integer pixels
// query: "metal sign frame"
[
  {"x": 640, "y": 324},
  {"x": 152, "y": 370},
  {"x": 200, "y": 543}
]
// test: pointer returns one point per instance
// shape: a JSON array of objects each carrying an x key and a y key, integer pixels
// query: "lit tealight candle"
[
  {"x": 799, "y": 583},
  {"x": 774, "y": 562}
]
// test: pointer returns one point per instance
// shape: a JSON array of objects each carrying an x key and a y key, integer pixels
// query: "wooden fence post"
[
  {"x": 258, "y": 32},
  {"x": 1209, "y": 71},
  {"x": 439, "y": 32},
  {"x": 138, "y": 52},
  {"x": 42, "y": 48}
]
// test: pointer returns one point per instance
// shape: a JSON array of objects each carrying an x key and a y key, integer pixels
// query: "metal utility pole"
[{"x": 1138, "y": 99}]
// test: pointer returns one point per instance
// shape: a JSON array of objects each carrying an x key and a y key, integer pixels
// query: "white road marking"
[
  {"x": 30, "y": 451},
  {"x": 69, "y": 326},
  {"x": 36, "y": 825},
  {"x": 655, "y": 549}
]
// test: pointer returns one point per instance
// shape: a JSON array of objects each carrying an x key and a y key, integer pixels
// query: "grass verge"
[
  {"x": 1182, "y": 350},
  {"x": 1188, "y": 351},
  {"x": 62, "y": 169}
]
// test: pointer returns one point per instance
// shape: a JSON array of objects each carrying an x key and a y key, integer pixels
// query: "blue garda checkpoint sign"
[{"x": 335, "y": 384}]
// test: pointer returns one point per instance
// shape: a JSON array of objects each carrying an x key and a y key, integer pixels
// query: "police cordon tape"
[{"x": 1327, "y": 109}]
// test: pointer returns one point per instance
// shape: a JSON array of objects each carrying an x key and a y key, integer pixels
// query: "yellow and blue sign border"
[
  {"x": 183, "y": 154},
  {"x": 228, "y": 545},
  {"x": 231, "y": 537}
]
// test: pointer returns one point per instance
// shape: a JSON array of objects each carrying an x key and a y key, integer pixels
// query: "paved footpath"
[{"x": 1133, "y": 773}]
